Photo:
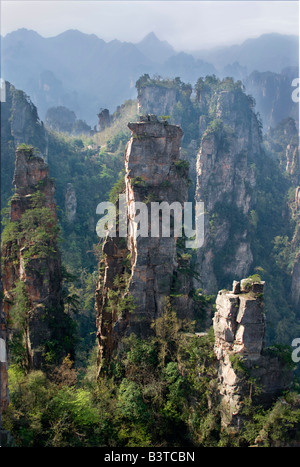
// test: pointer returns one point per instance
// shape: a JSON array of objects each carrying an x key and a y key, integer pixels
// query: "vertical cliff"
[
  {"x": 153, "y": 157},
  {"x": 70, "y": 202},
  {"x": 296, "y": 282},
  {"x": 165, "y": 97},
  {"x": 226, "y": 181},
  {"x": 244, "y": 365},
  {"x": 4, "y": 395},
  {"x": 104, "y": 119},
  {"x": 244, "y": 180},
  {"x": 32, "y": 277},
  {"x": 19, "y": 124},
  {"x": 282, "y": 142},
  {"x": 273, "y": 95},
  {"x": 158, "y": 100},
  {"x": 295, "y": 247},
  {"x": 154, "y": 174}
]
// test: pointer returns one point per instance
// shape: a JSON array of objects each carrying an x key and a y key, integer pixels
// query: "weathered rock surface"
[
  {"x": 34, "y": 261},
  {"x": 4, "y": 399},
  {"x": 153, "y": 174},
  {"x": 239, "y": 328},
  {"x": 111, "y": 324},
  {"x": 226, "y": 183},
  {"x": 70, "y": 202},
  {"x": 296, "y": 283},
  {"x": 157, "y": 100},
  {"x": 19, "y": 124},
  {"x": 295, "y": 244},
  {"x": 151, "y": 155}
]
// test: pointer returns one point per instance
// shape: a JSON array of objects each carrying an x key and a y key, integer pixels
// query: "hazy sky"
[{"x": 186, "y": 25}]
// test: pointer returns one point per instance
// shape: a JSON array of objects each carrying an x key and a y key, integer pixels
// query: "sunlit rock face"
[
  {"x": 154, "y": 173},
  {"x": 239, "y": 327}
]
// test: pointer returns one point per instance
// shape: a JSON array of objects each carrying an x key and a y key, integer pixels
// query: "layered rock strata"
[
  {"x": 243, "y": 362},
  {"x": 154, "y": 174}
]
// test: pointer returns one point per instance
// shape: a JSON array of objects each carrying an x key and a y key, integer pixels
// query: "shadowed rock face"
[
  {"x": 31, "y": 173},
  {"x": 273, "y": 95},
  {"x": 239, "y": 328},
  {"x": 35, "y": 265},
  {"x": 4, "y": 400},
  {"x": 226, "y": 183},
  {"x": 296, "y": 283},
  {"x": 153, "y": 174},
  {"x": 104, "y": 119}
]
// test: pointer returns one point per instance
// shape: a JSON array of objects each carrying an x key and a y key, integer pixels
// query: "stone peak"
[{"x": 150, "y": 126}]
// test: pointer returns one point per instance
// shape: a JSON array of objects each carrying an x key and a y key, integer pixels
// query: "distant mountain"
[
  {"x": 188, "y": 68},
  {"x": 84, "y": 73},
  {"x": 76, "y": 70},
  {"x": 269, "y": 52},
  {"x": 156, "y": 50}
]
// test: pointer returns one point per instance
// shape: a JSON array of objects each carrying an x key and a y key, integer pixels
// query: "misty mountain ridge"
[
  {"x": 268, "y": 52},
  {"x": 85, "y": 73}
]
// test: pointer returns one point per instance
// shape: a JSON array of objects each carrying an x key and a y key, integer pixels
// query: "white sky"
[{"x": 186, "y": 25}]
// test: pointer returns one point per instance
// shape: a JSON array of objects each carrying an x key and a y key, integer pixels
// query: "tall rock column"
[
  {"x": 4, "y": 395},
  {"x": 295, "y": 244},
  {"x": 243, "y": 362},
  {"x": 296, "y": 283},
  {"x": 226, "y": 180},
  {"x": 32, "y": 276},
  {"x": 154, "y": 174}
]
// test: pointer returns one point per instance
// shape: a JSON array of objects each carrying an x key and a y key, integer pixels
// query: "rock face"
[
  {"x": 292, "y": 160},
  {"x": 239, "y": 328},
  {"x": 157, "y": 100},
  {"x": 153, "y": 154},
  {"x": 64, "y": 120},
  {"x": 289, "y": 160},
  {"x": 226, "y": 182},
  {"x": 70, "y": 202},
  {"x": 296, "y": 283},
  {"x": 295, "y": 247},
  {"x": 32, "y": 275},
  {"x": 154, "y": 173},
  {"x": 273, "y": 95},
  {"x": 4, "y": 395},
  {"x": 19, "y": 124},
  {"x": 104, "y": 119}
]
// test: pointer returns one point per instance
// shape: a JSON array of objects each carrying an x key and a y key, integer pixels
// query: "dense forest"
[{"x": 160, "y": 389}]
